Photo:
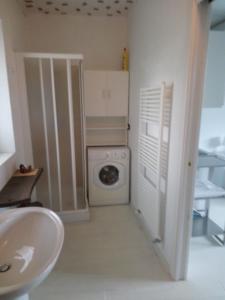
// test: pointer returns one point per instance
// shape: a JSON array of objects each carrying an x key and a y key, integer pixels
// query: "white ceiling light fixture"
[{"x": 77, "y": 7}]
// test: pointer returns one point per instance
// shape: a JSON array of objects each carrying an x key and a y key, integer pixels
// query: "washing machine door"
[{"x": 109, "y": 176}]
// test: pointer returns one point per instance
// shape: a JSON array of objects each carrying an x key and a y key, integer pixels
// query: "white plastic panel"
[{"x": 54, "y": 91}]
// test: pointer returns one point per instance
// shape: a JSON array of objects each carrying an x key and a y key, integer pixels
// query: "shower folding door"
[{"x": 53, "y": 92}]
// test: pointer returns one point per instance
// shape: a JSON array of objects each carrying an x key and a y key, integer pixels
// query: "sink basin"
[{"x": 30, "y": 242}]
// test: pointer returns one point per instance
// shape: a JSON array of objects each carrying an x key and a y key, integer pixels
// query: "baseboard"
[
  {"x": 156, "y": 246},
  {"x": 75, "y": 216}
]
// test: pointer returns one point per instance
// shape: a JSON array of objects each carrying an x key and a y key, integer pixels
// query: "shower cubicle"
[{"x": 53, "y": 135}]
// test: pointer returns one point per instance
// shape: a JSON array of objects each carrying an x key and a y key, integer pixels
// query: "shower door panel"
[
  {"x": 50, "y": 142},
  {"x": 36, "y": 125},
  {"x": 78, "y": 133},
  {"x": 54, "y": 91},
  {"x": 61, "y": 95}
]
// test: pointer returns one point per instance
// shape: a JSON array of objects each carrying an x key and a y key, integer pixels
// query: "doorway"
[{"x": 207, "y": 243}]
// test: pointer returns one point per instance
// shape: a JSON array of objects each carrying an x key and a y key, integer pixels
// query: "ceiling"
[
  {"x": 218, "y": 12},
  {"x": 77, "y": 7}
]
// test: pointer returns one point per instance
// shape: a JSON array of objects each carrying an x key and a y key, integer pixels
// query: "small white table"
[{"x": 207, "y": 190}]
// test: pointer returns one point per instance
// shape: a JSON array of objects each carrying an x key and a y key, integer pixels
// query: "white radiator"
[{"x": 154, "y": 136}]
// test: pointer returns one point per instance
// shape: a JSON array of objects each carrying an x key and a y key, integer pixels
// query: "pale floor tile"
[
  {"x": 207, "y": 261},
  {"x": 110, "y": 258}
]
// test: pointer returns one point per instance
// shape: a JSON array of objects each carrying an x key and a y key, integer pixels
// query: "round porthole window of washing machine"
[{"x": 109, "y": 175}]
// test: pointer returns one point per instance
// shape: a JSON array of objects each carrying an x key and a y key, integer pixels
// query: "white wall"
[
  {"x": 214, "y": 87},
  {"x": 212, "y": 133},
  {"x": 12, "y": 18},
  {"x": 100, "y": 39},
  {"x": 159, "y": 43},
  {"x": 12, "y": 24}
]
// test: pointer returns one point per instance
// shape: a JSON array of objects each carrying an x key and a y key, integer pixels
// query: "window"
[{"x": 7, "y": 143}]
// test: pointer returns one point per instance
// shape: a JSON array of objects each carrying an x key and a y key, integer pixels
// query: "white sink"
[{"x": 30, "y": 242}]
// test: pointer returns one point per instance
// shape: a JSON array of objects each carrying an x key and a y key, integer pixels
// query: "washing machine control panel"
[
  {"x": 109, "y": 154},
  {"x": 116, "y": 155},
  {"x": 124, "y": 155}
]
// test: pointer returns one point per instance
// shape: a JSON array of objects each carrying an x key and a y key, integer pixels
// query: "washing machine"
[{"x": 108, "y": 175}]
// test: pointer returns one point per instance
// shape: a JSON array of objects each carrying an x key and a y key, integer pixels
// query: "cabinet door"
[
  {"x": 95, "y": 93},
  {"x": 117, "y": 98}
]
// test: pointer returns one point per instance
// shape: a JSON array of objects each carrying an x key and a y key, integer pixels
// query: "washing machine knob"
[
  {"x": 123, "y": 155},
  {"x": 107, "y": 156},
  {"x": 115, "y": 155}
]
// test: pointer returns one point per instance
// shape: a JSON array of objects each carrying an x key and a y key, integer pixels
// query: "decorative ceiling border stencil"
[{"x": 77, "y": 7}]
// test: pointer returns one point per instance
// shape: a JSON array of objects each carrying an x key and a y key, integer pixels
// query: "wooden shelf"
[
  {"x": 106, "y": 131},
  {"x": 95, "y": 144},
  {"x": 18, "y": 190},
  {"x": 110, "y": 128}
]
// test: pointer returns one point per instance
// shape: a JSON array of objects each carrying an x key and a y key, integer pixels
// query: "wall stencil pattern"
[{"x": 78, "y": 7}]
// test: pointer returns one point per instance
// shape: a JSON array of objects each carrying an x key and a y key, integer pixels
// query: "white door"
[
  {"x": 117, "y": 96},
  {"x": 95, "y": 93}
]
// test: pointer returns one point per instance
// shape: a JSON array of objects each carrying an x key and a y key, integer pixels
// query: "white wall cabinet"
[
  {"x": 106, "y": 107},
  {"x": 106, "y": 93}
]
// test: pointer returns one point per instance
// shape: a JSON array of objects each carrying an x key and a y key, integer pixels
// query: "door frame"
[{"x": 197, "y": 62}]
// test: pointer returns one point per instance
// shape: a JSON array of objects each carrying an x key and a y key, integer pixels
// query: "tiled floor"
[{"x": 109, "y": 258}]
